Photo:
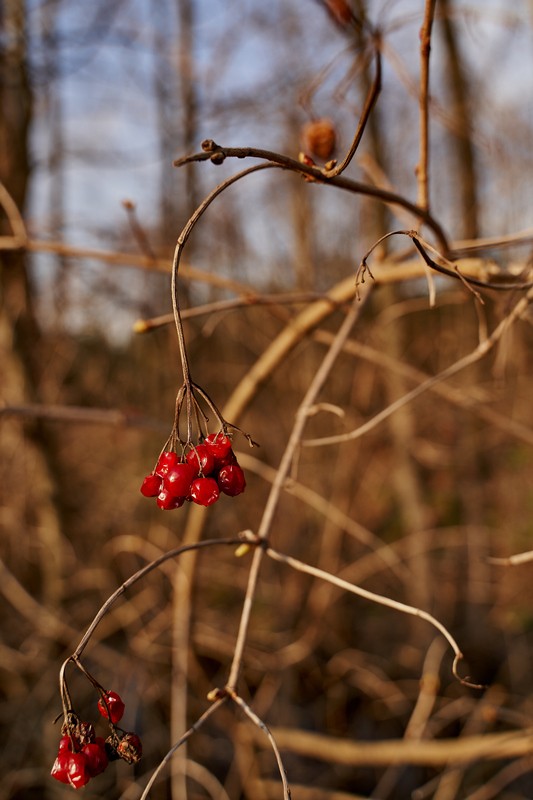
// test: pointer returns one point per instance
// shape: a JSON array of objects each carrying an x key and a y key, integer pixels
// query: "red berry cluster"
[
  {"x": 82, "y": 754},
  {"x": 208, "y": 469}
]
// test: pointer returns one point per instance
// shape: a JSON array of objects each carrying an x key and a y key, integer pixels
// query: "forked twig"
[{"x": 261, "y": 725}]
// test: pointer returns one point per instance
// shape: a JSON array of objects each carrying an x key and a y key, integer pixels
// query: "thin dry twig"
[
  {"x": 187, "y": 735},
  {"x": 301, "y": 566},
  {"x": 370, "y": 101},
  {"x": 141, "y": 573},
  {"x": 283, "y": 470},
  {"x": 261, "y": 725},
  {"x": 217, "y": 154},
  {"x": 476, "y": 355},
  {"x": 422, "y": 170}
]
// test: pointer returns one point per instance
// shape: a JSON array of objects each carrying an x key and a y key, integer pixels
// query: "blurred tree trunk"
[{"x": 20, "y": 337}]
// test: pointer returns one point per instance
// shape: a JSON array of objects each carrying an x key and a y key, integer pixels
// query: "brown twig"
[
  {"x": 261, "y": 725},
  {"x": 301, "y": 566},
  {"x": 476, "y": 355},
  {"x": 372, "y": 96},
  {"x": 422, "y": 170},
  {"x": 283, "y": 471},
  {"x": 213, "y": 151}
]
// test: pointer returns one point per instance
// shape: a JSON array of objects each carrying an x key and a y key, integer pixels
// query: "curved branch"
[
  {"x": 217, "y": 154},
  {"x": 182, "y": 239}
]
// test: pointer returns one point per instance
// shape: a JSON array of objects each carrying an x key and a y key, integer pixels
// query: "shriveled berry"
[
  {"x": 111, "y": 748},
  {"x": 178, "y": 480},
  {"x": 201, "y": 458},
  {"x": 204, "y": 491},
  {"x": 219, "y": 445},
  {"x": 130, "y": 748},
  {"x": 111, "y": 707},
  {"x": 80, "y": 732},
  {"x": 96, "y": 757},
  {"x": 151, "y": 485},
  {"x": 165, "y": 462},
  {"x": 231, "y": 480}
]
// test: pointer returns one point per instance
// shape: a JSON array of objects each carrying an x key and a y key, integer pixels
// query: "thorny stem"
[{"x": 284, "y": 467}]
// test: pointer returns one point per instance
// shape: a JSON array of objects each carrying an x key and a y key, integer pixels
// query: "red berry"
[
  {"x": 167, "y": 502},
  {"x": 130, "y": 748},
  {"x": 231, "y": 480},
  {"x": 229, "y": 458},
  {"x": 201, "y": 458},
  {"x": 151, "y": 485},
  {"x": 96, "y": 757},
  {"x": 65, "y": 744},
  {"x": 111, "y": 707},
  {"x": 166, "y": 460},
  {"x": 178, "y": 480},
  {"x": 204, "y": 491},
  {"x": 71, "y": 768},
  {"x": 59, "y": 768},
  {"x": 218, "y": 444}
]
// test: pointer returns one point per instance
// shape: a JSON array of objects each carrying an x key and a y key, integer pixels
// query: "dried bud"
[{"x": 319, "y": 138}]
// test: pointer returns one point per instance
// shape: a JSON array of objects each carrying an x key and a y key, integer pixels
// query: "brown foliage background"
[{"x": 412, "y": 510}]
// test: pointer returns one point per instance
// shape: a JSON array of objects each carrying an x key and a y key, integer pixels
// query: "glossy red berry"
[
  {"x": 166, "y": 460},
  {"x": 59, "y": 767},
  {"x": 65, "y": 744},
  {"x": 71, "y": 768},
  {"x": 231, "y": 480},
  {"x": 178, "y": 480},
  {"x": 151, "y": 485},
  {"x": 201, "y": 458},
  {"x": 204, "y": 491},
  {"x": 229, "y": 458},
  {"x": 130, "y": 748},
  {"x": 111, "y": 707},
  {"x": 218, "y": 444},
  {"x": 96, "y": 757},
  {"x": 167, "y": 502}
]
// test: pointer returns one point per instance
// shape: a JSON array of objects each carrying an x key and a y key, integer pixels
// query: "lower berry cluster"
[
  {"x": 83, "y": 755},
  {"x": 207, "y": 469}
]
